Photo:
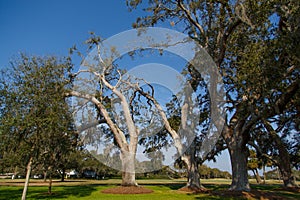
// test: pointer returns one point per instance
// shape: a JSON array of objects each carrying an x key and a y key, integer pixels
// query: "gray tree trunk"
[
  {"x": 236, "y": 142},
  {"x": 238, "y": 156},
  {"x": 128, "y": 168},
  {"x": 45, "y": 176},
  {"x": 264, "y": 173},
  {"x": 284, "y": 163},
  {"x": 27, "y": 178},
  {"x": 286, "y": 173},
  {"x": 193, "y": 176}
]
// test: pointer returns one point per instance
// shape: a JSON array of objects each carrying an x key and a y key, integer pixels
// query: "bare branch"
[
  {"x": 119, "y": 78},
  {"x": 99, "y": 56},
  {"x": 167, "y": 125}
]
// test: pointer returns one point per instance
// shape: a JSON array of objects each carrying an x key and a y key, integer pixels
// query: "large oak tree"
[{"x": 254, "y": 44}]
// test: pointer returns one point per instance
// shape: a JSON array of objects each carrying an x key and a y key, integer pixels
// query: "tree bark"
[
  {"x": 284, "y": 163},
  {"x": 128, "y": 168},
  {"x": 50, "y": 184},
  {"x": 45, "y": 175},
  {"x": 63, "y": 175},
  {"x": 238, "y": 156},
  {"x": 278, "y": 173},
  {"x": 284, "y": 166},
  {"x": 287, "y": 177},
  {"x": 256, "y": 175},
  {"x": 236, "y": 141},
  {"x": 15, "y": 172},
  {"x": 27, "y": 178},
  {"x": 264, "y": 173},
  {"x": 193, "y": 176}
]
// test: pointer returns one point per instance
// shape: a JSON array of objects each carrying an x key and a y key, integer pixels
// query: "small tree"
[
  {"x": 35, "y": 116},
  {"x": 253, "y": 165}
]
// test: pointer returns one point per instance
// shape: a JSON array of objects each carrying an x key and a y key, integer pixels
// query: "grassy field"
[{"x": 163, "y": 189}]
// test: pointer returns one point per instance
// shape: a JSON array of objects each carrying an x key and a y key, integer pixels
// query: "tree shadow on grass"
[
  {"x": 216, "y": 186},
  {"x": 62, "y": 192},
  {"x": 270, "y": 192},
  {"x": 10, "y": 193},
  {"x": 171, "y": 186},
  {"x": 175, "y": 186}
]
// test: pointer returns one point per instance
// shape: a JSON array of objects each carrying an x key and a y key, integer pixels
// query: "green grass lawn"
[{"x": 163, "y": 189}]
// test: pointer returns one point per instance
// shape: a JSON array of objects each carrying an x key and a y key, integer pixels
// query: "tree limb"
[
  {"x": 119, "y": 135},
  {"x": 193, "y": 21}
]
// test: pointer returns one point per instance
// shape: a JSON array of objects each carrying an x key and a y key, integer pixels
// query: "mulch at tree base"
[
  {"x": 127, "y": 190},
  {"x": 193, "y": 190}
]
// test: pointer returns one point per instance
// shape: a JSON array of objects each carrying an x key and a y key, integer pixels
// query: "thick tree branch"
[
  {"x": 133, "y": 131},
  {"x": 284, "y": 99},
  {"x": 90, "y": 125},
  {"x": 258, "y": 149},
  {"x": 119, "y": 136},
  {"x": 224, "y": 38},
  {"x": 167, "y": 125}
]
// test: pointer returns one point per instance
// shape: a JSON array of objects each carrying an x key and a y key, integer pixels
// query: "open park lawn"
[{"x": 161, "y": 189}]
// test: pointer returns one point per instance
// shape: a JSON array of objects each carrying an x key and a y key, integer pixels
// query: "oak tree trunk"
[
  {"x": 287, "y": 177},
  {"x": 264, "y": 173},
  {"x": 284, "y": 163},
  {"x": 286, "y": 172},
  {"x": 27, "y": 178},
  {"x": 238, "y": 156},
  {"x": 193, "y": 176}
]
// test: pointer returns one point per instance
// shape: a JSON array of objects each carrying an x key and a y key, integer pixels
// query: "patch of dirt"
[
  {"x": 127, "y": 190},
  {"x": 193, "y": 190}
]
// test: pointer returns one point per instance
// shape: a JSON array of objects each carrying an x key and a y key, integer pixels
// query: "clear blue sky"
[{"x": 43, "y": 27}]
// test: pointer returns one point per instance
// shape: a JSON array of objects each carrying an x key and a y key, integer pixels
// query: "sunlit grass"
[
  {"x": 91, "y": 189},
  {"x": 94, "y": 192}
]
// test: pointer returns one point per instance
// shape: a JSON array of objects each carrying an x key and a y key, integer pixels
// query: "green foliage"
[
  {"x": 255, "y": 44},
  {"x": 35, "y": 118},
  {"x": 253, "y": 162},
  {"x": 207, "y": 172},
  {"x": 88, "y": 161}
]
